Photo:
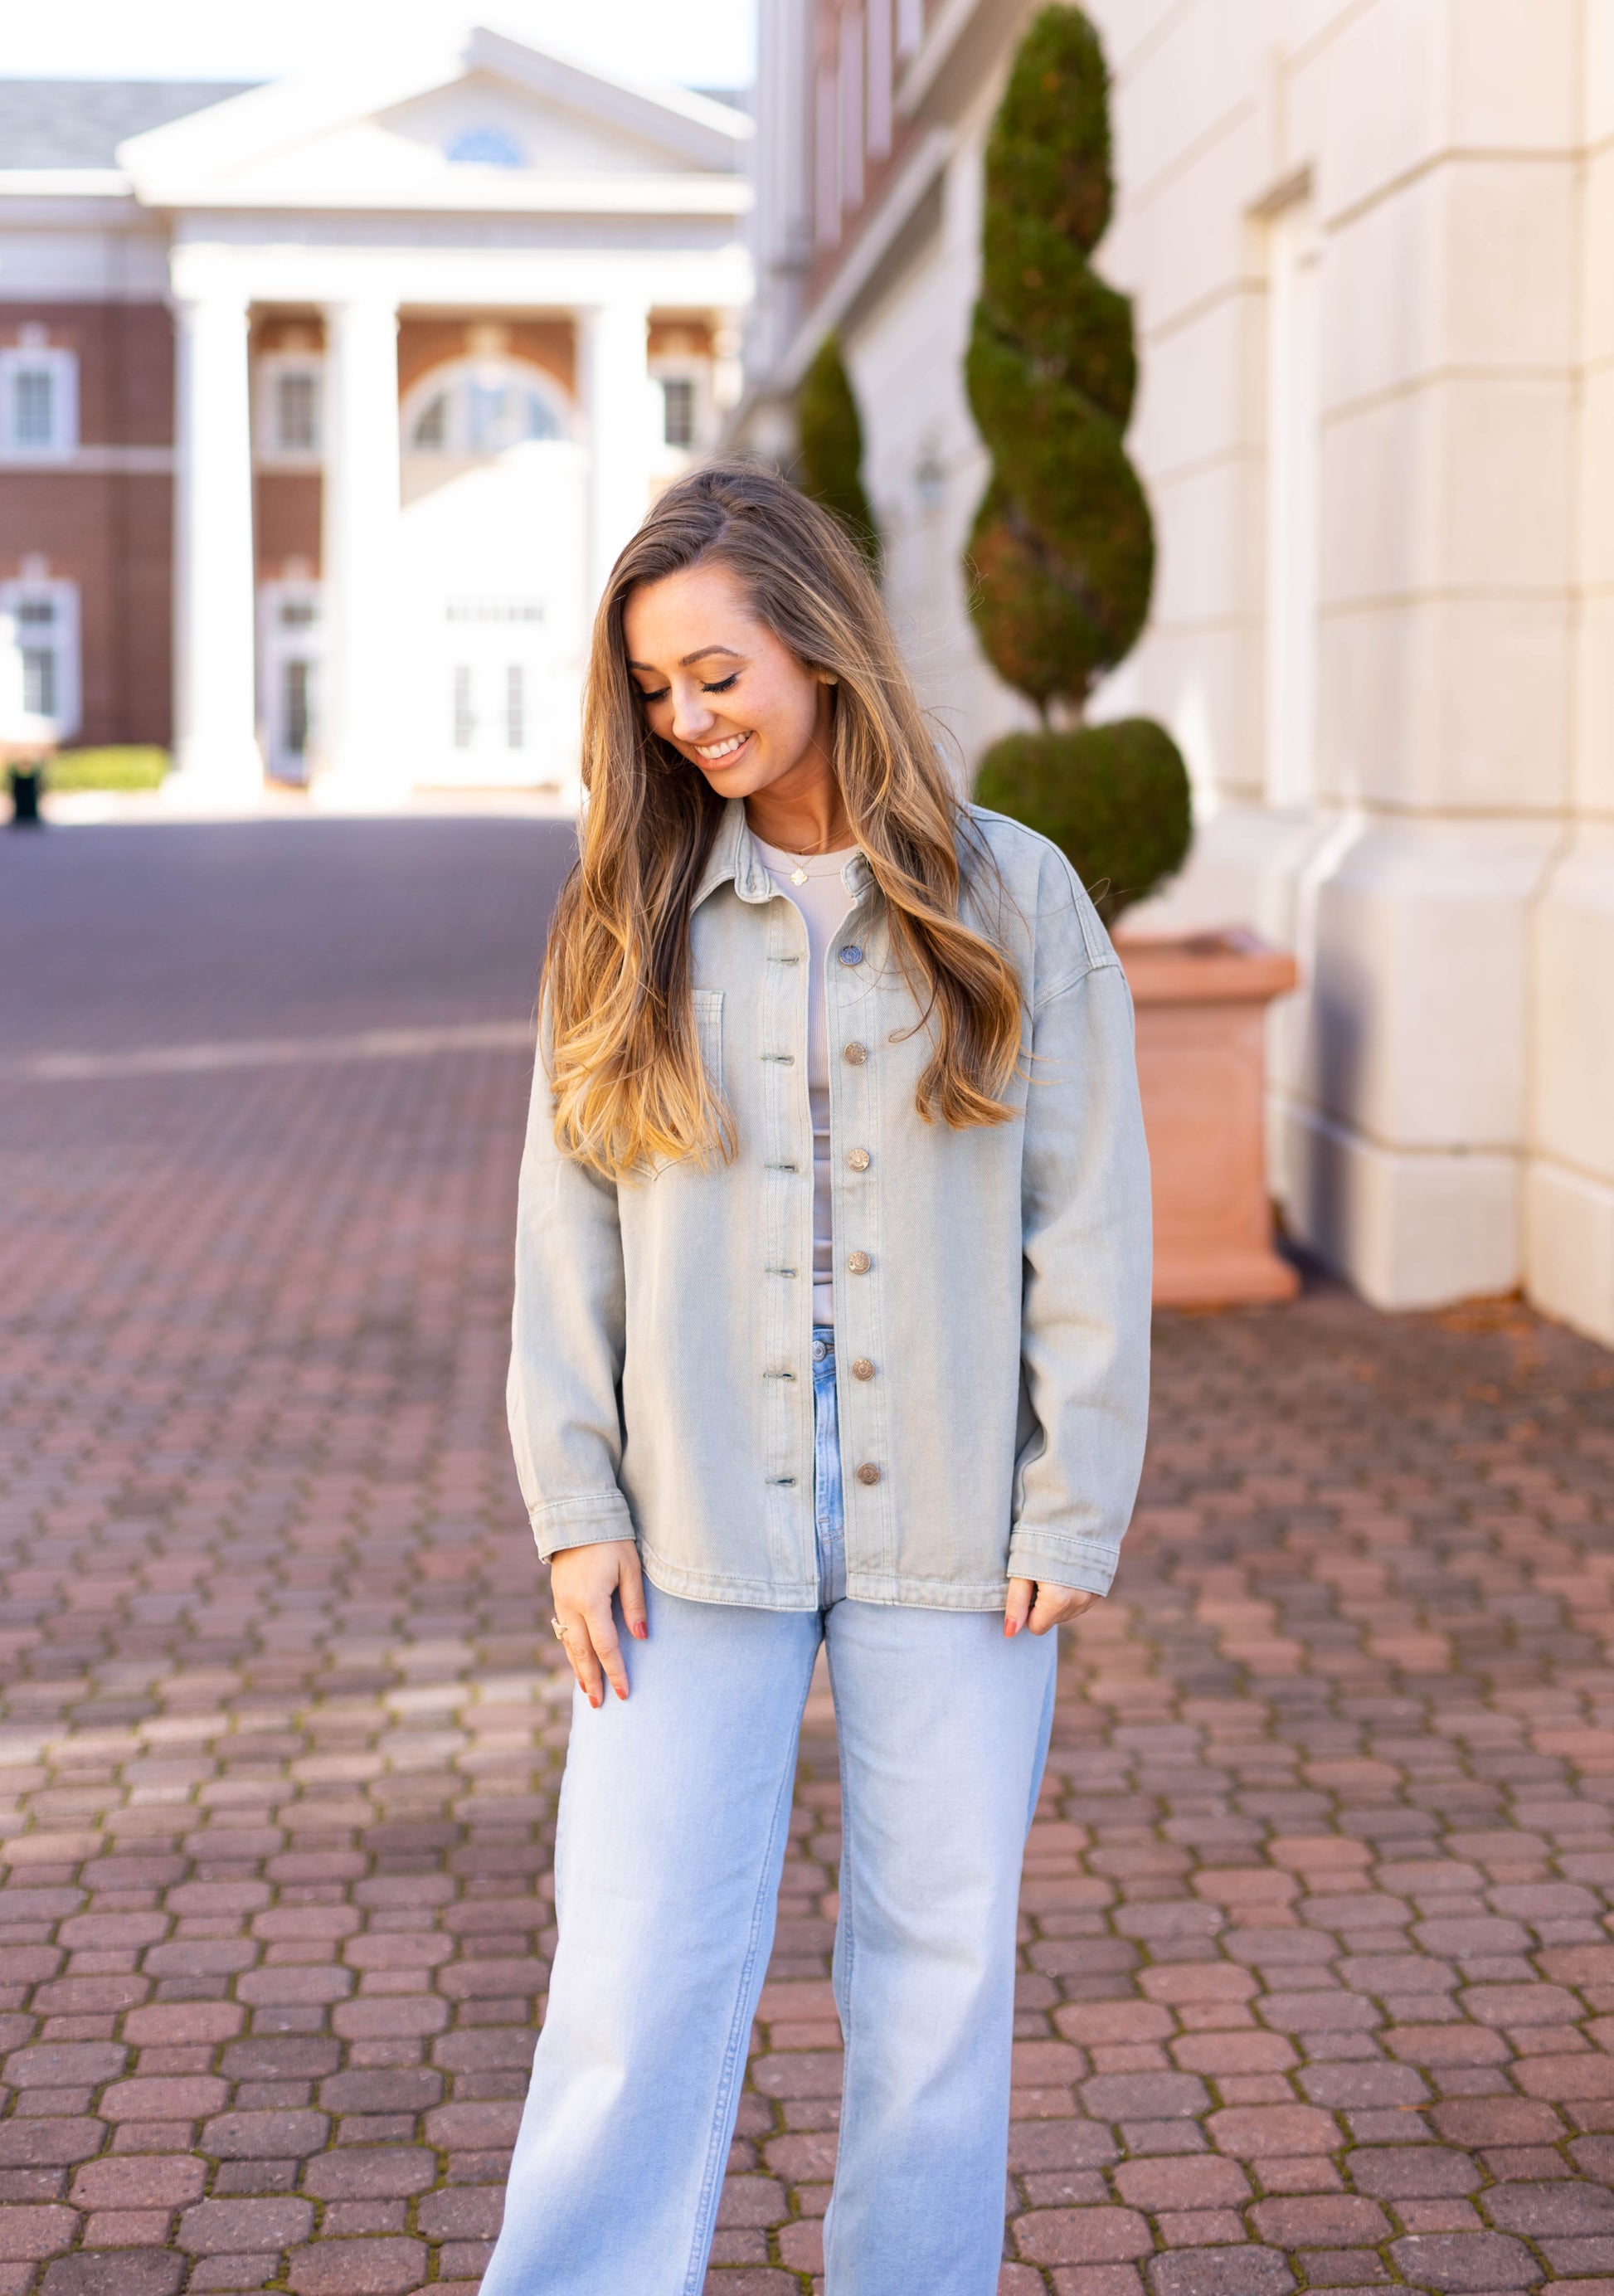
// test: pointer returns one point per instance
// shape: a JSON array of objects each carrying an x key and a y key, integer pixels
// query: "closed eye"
[{"x": 719, "y": 685}]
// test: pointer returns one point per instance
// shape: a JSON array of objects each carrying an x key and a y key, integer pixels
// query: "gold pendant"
[{"x": 799, "y": 876}]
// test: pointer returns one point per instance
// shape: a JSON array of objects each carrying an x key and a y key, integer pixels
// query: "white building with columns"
[
  {"x": 1370, "y": 247},
  {"x": 326, "y": 405}
]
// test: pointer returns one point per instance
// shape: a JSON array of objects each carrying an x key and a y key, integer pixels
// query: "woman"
[{"x": 831, "y": 1325}]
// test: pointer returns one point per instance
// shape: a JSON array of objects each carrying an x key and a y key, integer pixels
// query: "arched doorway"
[{"x": 493, "y": 545}]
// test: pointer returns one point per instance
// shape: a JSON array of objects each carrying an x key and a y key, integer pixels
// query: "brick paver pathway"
[{"x": 1319, "y": 1985}]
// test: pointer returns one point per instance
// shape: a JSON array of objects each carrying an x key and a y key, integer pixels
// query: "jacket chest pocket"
[{"x": 708, "y": 1030}]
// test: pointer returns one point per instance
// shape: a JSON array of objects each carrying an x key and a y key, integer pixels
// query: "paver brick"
[
  {"x": 1317, "y": 1903},
  {"x": 1324, "y": 2220},
  {"x": 135, "y": 2183},
  {"x": 123, "y": 2272},
  {"x": 357, "y": 2267},
  {"x": 1221, "y": 2272},
  {"x": 1479, "y": 2262},
  {"x": 237, "y": 2227},
  {"x": 1412, "y": 2172},
  {"x": 1099, "y": 2235},
  {"x": 29, "y": 2233}
]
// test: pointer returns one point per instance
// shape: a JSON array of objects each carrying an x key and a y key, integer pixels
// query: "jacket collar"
[{"x": 734, "y": 856}]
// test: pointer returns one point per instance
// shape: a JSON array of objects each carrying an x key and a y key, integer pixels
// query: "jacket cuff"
[
  {"x": 589, "y": 1520},
  {"x": 1060, "y": 1563}
]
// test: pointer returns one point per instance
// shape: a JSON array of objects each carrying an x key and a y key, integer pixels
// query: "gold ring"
[{"x": 560, "y": 1630}]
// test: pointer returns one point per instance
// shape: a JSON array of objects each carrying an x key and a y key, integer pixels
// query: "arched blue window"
[
  {"x": 481, "y": 407},
  {"x": 486, "y": 147}
]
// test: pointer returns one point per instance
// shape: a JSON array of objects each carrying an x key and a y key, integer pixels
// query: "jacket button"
[
  {"x": 858, "y": 1263},
  {"x": 868, "y": 1472},
  {"x": 863, "y": 1368},
  {"x": 851, "y": 954},
  {"x": 857, "y": 1053},
  {"x": 859, "y": 1160}
]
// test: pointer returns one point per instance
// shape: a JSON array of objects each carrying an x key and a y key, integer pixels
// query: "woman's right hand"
[{"x": 583, "y": 1581}]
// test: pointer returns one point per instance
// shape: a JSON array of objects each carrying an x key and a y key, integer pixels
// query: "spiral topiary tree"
[
  {"x": 830, "y": 436},
  {"x": 1061, "y": 558}
]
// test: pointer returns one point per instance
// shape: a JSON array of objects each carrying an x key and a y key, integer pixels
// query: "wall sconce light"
[{"x": 930, "y": 482}]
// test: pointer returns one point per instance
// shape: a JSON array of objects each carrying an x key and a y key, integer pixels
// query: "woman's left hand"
[{"x": 1039, "y": 1606}]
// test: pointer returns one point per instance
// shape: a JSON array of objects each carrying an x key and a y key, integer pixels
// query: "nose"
[{"x": 692, "y": 719}]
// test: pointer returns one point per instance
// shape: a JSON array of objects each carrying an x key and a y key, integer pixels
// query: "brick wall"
[{"x": 109, "y": 531}]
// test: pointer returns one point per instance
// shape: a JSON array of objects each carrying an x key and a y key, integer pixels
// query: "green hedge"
[{"x": 107, "y": 769}]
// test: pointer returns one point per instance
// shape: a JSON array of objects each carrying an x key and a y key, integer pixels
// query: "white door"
[
  {"x": 495, "y": 571},
  {"x": 291, "y": 652}
]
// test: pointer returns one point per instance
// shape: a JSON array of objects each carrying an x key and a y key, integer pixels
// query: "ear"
[{"x": 824, "y": 679}]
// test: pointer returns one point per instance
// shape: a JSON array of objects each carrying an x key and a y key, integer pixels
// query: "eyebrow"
[{"x": 686, "y": 660}]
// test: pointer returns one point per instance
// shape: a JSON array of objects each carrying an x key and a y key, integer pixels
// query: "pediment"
[{"x": 491, "y": 125}]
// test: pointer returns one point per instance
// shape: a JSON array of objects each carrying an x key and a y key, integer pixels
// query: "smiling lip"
[{"x": 719, "y": 753}]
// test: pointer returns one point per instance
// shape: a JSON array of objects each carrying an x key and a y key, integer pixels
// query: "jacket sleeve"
[
  {"x": 1087, "y": 1270},
  {"x": 567, "y": 1342}
]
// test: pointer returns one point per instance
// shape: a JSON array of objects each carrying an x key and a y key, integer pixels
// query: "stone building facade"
[{"x": 1369, "y": 243}]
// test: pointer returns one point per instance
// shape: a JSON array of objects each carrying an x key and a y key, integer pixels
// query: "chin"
[{"x": 743, "y": 778}]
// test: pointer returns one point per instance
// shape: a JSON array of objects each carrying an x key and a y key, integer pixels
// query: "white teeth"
[{"x": 719, "y": 750}]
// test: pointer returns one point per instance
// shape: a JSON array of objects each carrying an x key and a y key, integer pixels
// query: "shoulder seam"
[{"x": 1070, "y": 980}]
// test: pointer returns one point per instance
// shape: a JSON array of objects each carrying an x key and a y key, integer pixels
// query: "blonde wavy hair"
[{"x": 630, "y": 1087}]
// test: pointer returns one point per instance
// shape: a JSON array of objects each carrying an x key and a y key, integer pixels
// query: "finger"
[
  {"x": 1052, "y": 1603},
  {"x": 1057, "y": 1606},
  {"x": 631, "y": 1590},
  {"x": 580, "y": 1651},
  {"x": 603, "y": 1634},
  {"x": 1017, "y": 1608}
]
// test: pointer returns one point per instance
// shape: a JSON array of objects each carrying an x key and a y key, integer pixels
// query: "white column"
[
  {"x": 614, "y": 340},
  {"x": 361, "y": 756},
  {"x": 214, "y": 714}
]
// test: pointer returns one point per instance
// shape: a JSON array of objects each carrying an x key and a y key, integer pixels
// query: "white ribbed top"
[{"x": 824, "y": 901}]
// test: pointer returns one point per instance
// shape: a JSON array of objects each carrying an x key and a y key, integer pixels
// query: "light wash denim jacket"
[{"x": 992, "y": 1285}]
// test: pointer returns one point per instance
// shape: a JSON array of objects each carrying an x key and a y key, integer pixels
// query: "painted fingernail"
[{"x": 639, "y": 1631}]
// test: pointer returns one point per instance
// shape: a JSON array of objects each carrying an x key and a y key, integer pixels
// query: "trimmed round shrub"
[{"x": 1113, "y": 798}]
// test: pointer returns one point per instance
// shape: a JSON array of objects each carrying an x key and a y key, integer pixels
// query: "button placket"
[
  {"x": 851, "y": 1096},
  {"x": 781, "y": 1055}
]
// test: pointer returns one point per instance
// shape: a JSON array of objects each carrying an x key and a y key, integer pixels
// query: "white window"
[
  {"x": 289, "y": 386},
  {"x": 678, "y": 410},
  {"x": 39, "y": 664},
  {"x": 1293, "y": 483},
  {"x": 465, "y": 712},
  {"x": 689, "y": 415},
  {"x": 38, "y": 403},
  {"x": 485, "y": 147},
  {"x": 851, "y": 109},
  {"x": 879, "y": 79},
  {"x": 826, "y": 157},
  {"x": 483, "y": 406}
]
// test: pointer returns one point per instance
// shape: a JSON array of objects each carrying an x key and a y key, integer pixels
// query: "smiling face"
[{"x": 724, "y": 692}]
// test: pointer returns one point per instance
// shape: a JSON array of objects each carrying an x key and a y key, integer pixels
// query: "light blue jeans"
[{"x": 672, "y": 1831}]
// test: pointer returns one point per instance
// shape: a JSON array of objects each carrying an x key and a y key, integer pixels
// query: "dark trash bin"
[{"x": 28, "y": 784}]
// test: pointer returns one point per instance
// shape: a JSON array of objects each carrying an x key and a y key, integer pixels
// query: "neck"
[
  {"x": 799, "y": 829},
  {"x": 802, "y": 811}
]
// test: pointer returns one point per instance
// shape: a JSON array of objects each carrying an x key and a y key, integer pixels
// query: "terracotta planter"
[{"x": 1201, "y": 1002}]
